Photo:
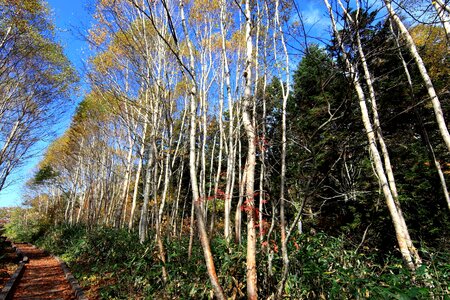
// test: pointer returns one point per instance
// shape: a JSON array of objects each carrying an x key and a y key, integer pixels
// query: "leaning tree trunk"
[
  {"x": 377, "y": 126},
  {"x": 443, "y": 12},
  {"x": 375, "y": 155},
  {"x": 203, "y": 235},
  {"x": 424, "y": 132},
  {"x": 423, "y": 72}
]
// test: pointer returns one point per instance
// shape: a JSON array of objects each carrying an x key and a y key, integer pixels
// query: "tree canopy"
[{"x": 313, "y": 169}]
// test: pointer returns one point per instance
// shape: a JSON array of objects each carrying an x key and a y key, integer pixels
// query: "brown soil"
[{"x": 43, "y": 277}]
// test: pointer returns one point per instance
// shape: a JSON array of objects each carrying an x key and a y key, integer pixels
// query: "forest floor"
[
  {"x": 8, "y": 261},
  {"x": 43, "y": 277}
]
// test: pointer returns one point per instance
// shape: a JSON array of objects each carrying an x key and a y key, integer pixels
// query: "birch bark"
[
  {"x": 204, "y": 240},
  {"x": 440, "y": 119},
  {"x": 252, "y": 284},
  {"x": 374, "y": 153}
]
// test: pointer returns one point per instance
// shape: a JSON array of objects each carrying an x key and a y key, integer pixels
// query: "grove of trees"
[
  {"x": 228, "y": 121},
  {"x": 35, "y": 80}
]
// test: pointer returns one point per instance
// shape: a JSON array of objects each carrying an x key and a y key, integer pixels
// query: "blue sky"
[{"x": 71, "y": 19}]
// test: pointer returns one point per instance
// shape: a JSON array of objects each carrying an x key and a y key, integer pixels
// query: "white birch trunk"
[
  {"x": 204, "y": 240},
  {"x": 427, "y": 141},
  {"x": 378, "y": 130},
  {"x": 285, "y": 92},
  {"x": 252, "y": 283},
  {"x": 444, "y": 15},
  {"x": 375, "y": 155},
  {"x": 423, "y": 72}
]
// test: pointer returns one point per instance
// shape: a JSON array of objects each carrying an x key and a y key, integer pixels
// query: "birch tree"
[
  {"x": 440, "y": 119},
  {"x": 402, "y": 236},
  {"x": 443, "y": 12},
  {"x": 35, "y": 81},
  {"x": 249, "y": 172}
]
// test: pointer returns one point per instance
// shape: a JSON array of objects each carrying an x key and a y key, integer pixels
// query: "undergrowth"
[{"x": 116, "y": 266}]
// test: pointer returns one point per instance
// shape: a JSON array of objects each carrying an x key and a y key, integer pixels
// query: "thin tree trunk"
[
  {"x": 378, "y": 131},
  {"x": 143, "y": 223},
  {"x": 230, "y": 154},
  {"x": 167, "y": 175},
  {"x": 125, "y": 185},
  {"x": 424, "y": 132},
  {"x": 191, "y": 230},
  {"x": 177, "y": 201},
  {"x": 138, "y": 177},
  {"x": 203, "y": 235},
  {"x": 285, "y": 92},
  {"x": 262, "y": 192},
  {"x": 375, "y": 155},
  {"x": 423, "y": 72},
  {"x": 252, "y": 283},
  {"x": 444, "y": 16},
  {"x": 238, "y": 214}
]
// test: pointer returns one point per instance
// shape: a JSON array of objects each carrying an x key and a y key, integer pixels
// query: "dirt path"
[{"x": 43, "y": 277}]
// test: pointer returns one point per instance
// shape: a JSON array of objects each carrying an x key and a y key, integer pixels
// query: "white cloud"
[{"x": 314, "y": 14}]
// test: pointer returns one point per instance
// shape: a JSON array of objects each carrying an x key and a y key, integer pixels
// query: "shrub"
[
  {"x": 321, "y": 266},
  {"x": 26, "y": 225}
]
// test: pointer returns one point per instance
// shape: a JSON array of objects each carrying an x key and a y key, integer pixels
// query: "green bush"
[
  {"x": 26, "y": 225},
  {"x": 321, "y": 266},
  {"x": 127, "y": 269},
  {"x": 102, "y": 255}
]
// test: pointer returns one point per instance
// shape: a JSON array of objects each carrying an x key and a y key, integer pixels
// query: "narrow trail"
[{"x": 43, "y": 277}]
